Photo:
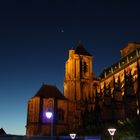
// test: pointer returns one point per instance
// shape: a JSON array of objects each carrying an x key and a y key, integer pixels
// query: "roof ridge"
[{"x": 47, "y": 91}]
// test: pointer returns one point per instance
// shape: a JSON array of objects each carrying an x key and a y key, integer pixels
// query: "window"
[
  {"x": 85, "y": 67},
  {"x": 60, "y": 114}
]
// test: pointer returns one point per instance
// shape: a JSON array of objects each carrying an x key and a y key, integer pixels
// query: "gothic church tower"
[{"x": 78, "y": 75}]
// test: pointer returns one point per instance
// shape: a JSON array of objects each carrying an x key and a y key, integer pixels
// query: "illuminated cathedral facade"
[{"x": 88, "y": 100}]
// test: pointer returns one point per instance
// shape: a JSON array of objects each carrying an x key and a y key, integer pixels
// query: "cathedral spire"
[{"x": 78, "y": 73}]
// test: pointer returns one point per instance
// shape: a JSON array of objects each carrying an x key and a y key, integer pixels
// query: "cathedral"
[{"x": 88, "y": 100}]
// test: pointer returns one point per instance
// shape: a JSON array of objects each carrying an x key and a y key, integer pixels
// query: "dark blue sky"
[{"x": 33, "y": 48}]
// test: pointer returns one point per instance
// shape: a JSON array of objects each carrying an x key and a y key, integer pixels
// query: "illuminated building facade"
[
  {"x": 88, "y": 100},
  {"x": 48, "y": 98},
  {"x": 120, "y": 84}
]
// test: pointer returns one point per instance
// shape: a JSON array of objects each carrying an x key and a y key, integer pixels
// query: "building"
[
  {"x": 48, "y": 98},
  {"x": 121, "y": 81},
  {"x": 88, "y": 100}
]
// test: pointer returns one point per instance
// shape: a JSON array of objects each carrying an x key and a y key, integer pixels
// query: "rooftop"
[
  {"x": 120, "y": 64},
  {"x": 49, "y": 91},
  {"x": 81, "y": 50}
]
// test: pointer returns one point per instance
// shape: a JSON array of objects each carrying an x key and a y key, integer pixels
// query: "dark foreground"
[{"x": 16, "y": 137}]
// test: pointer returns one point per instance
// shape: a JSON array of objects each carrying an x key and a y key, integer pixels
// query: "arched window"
[{"x": 85, "y": 67}]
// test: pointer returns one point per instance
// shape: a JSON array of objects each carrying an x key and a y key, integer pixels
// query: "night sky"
[{"x": 35, "y": 37}]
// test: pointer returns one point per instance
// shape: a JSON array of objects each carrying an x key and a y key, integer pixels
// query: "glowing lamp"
[
  {"x": 72, "y": 135},
  {"x": 111, "y": 132},
  {"x": 49, "y": 114}
]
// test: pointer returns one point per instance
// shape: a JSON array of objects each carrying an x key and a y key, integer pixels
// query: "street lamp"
[
  {"x": 49, "y": 115},
  {"x": 111, "y": 132},
  {"x": 72, "y": 136}
]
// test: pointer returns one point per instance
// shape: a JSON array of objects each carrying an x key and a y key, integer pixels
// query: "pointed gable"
[
  {"x": 81, "y": 50},
  {"x": 49, "y": 91}
]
